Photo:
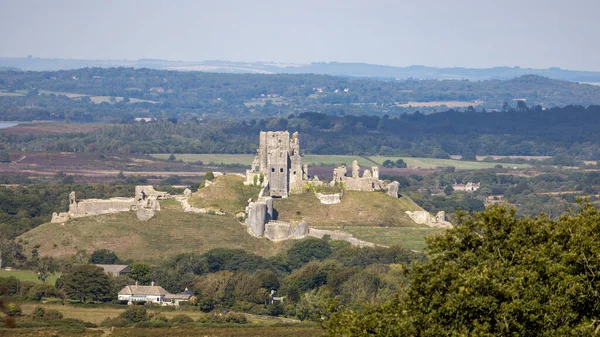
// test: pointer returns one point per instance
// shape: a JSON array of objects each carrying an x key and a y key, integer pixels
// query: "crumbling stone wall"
[
  {"x": 145, "y": 203},
  {"x": 330, "y": 199},
  {"x": 424, "y": 218},
  {"x": 369, "y": 182}
]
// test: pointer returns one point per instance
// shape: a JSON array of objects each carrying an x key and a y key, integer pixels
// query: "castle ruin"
[
  {"x": 278, "y": 164},
  {"x": 145, "y": 203}
]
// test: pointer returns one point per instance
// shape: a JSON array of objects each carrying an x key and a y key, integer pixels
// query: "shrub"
[
  {"x": 53, "y": 314},
  {"x": 135, "y": 314},
  {"x": 152, "y": 324},
  {"x": 13, "y": 310},
  {"x": 38, "y": 313},
  {"x": 232, "y": 318},
  {"x": 116, "y": 322},
  {"x": 182, "y": 319}
]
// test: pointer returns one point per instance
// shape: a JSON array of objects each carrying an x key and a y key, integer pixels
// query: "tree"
[
  {"x": 103, "y": 256},
  {"x": 497, "y": 275},
  {"x": 400, "y": 163},
  {"x": 307, "y": 250},
  {"x": 45, "y": 267},
  {"x": 209, "y": 176},
  {"x": 85, "y": 283},
  {"x": 448, "y": 190},
  {"x": 140, "y": 272},
  {"x": 172, "y": 157}
]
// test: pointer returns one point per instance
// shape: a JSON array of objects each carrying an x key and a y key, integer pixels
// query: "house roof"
[
  {"x": 143, "y": 290},
  {"x": 180, "y": 296},
  {"x": 113, "y": 268}
]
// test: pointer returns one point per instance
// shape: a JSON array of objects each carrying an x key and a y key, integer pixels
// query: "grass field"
[
  {"x": 434, "y": 162},
  {"x": 409, "y": 237},
  {"x": 27, "y": 275},
  {"x": 95, "y": 99},
  {"x": 169, "y": 233},
  {"x": 331, "y": 160},
  {"x": 244, "y": 159},
  {"x": 227, "y": 194},
  {"x": 449, "y": 104},
  {"x": 259, "y": 325},
  {"x": 4, "y": 93},
  {"x": 356, "y": 209}
]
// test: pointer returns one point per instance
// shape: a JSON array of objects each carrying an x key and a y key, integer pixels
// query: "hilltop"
[
  {"x": 169, "y": 233},
  {"x": 368, "y": 209},
  {"x": 172, "y": 231}
]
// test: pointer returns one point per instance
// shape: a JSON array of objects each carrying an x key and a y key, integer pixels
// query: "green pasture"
[
  {"x": 408, "y": 237},
  {"x": 27, "y": 275},
  {"x": 427, "y": 163}
]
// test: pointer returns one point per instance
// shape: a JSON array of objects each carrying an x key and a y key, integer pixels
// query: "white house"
[{"x": 136, "y": 293}]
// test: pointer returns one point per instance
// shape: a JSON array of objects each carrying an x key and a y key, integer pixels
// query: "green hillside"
[
  {"x": 172, "y": 231},
  {"x": 375, "y": 209},
  {"x": 169, "y": 233}
]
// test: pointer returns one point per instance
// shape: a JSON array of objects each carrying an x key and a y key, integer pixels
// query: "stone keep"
[{"x": 278, "y": 160}]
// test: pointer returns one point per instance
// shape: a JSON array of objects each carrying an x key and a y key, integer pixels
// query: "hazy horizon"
[{"x": 470, "y": 34}]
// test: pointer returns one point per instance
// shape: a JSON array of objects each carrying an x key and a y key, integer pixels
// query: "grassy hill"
[
  {"x": 356, "y": 209},
  {"x": 169, "y": 233},
  {"x": 172, "y": 231},
  {"x": 227, "y": 193}
]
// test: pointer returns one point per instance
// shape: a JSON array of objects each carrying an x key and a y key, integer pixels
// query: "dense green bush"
[{"x": 135, "y": 314}]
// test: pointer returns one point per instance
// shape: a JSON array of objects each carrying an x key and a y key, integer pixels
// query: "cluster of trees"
[
  {"x": 495, "y": 275},
  {"x": 186, "y": 95},
  {"x": 571, "y": 133},
  {"x": 316, "y": 276}
]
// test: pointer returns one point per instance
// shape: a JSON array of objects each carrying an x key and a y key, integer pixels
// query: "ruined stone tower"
[{"x": 278, "y": 160}]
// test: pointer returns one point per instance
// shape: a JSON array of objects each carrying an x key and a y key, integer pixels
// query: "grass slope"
[
  {"x": 28, "y": 275},
  {"x": 227, "y": 193},
  {"x": 356, "y": 209},
  {"x": 169, "y": 233},
  {"x": 408, "y": 237}
]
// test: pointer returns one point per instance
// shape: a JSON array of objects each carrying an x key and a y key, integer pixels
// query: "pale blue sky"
[{"x": 468, "y": 33}]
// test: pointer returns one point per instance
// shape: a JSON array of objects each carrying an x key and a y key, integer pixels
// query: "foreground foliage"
[{"x": 495, "y": 275}]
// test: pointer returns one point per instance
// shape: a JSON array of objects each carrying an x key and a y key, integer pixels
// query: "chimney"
[{"x": 153, "y": 283}]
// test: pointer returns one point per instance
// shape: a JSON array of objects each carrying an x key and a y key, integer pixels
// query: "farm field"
[
  {"x": 27, "y": 275},
  {"x": 4, "y": 93},
  {"x": 52, "y": 128},
  {"x": 332, "y": 160},
  {"x": 412, "y": 162},
  {"x": 449, "y": 104},
  {"x": 96, "y": 314},
  {"x": 95, "y": 99},
  {"x": 408, "y": 237},
  {"x": 244, "y": 159}
]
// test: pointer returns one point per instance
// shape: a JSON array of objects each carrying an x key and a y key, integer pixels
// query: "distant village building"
[
  {"x": 468, "y": 187},
  {"x": 115, "y": 269}
]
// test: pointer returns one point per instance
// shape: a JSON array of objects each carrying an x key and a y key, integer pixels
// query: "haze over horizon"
[{"x": 464, "y": 33}]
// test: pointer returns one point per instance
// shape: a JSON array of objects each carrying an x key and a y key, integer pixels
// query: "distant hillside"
[
  {"x": 123, "y": 94},
  {"x": 325, "y": 68}
]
